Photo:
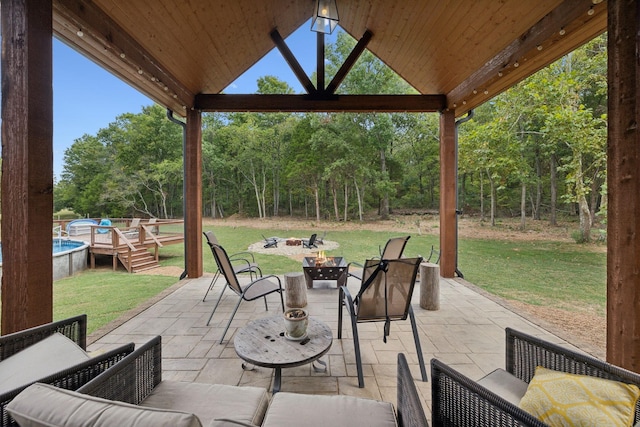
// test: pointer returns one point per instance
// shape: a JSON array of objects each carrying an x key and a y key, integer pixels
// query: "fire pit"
[{"x": 322, "y": 267}]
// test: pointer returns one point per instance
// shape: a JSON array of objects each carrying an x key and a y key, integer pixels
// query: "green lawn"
[{"x": 562, "y": 275}]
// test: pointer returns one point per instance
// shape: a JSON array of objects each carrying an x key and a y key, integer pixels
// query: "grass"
[{"x": 561, "y": 275}]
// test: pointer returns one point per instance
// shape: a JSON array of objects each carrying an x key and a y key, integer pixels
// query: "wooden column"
[
  {"x": 193, "y": 195},
  {"x": 623, "y": 175},
  {"x": 448, "y": 243},
  {"x": 27, "y": 164}
]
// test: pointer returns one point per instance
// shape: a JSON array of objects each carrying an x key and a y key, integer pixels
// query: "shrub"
[{"x": 66, "y": 214}]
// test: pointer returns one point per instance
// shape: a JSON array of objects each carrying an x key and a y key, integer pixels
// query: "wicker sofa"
[
  {"x": 21, "y": 365},
  {"x": 459, "y": 401},
  {"x": 150, "y": 401}
]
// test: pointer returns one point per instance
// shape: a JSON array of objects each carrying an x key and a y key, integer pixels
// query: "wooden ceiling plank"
[
  {"x": 95, "y": 24},
  {"x": 562, "y": 16},
  {"x": 305, "y": 103}
]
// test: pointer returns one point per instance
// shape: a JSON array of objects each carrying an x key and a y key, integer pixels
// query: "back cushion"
[
  {"x": 45, "y": 405},
  {"x": 40, "y": 360}
]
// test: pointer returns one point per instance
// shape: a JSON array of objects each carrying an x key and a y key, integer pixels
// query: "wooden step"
[{"x": 141, "y": 259}]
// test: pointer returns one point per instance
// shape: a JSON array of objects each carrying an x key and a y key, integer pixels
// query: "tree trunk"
[
  {"x": 359, "y": 197},
  {"x": 384, "y": 206},
  {"x": 523, "y": 206},
  {"x": 553, "y": 184},
  {"x": 583, "y": 206},
  {"x": 334, "y": 193},
  {"x": 538, "y": 204},
  {"x": 481, "y": 196},
  {"x": 346, "y": 201},
  {"x": 317, "y": 195},
  {"x": 493, "y": 199}
]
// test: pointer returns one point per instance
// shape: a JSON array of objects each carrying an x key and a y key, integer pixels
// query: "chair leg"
[
  {"x": 340, "y": 304},
  {"x": 423, "y": 370},
  {"x": 356, "y": 347},
  {"x": 213, "y": 282},
  {"x": 281, "y": 299},
  {"x": 218, "y": 302},
  {"x": 266, "y": 306},
  {"x": 230, "y": 319}
]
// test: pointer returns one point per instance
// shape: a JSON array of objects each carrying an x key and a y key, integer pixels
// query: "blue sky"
[{"x": 87, "y": 98}]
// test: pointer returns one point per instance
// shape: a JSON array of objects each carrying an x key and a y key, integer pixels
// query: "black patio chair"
[
  {"x": 242, "y": 262},
  {"x": 384, "y": 296},
  {"x": 270, "y": 242},
  {"x": 261, "y": 287},
  {"x": 311, "y": 242},
  {"x": 393, "y": 249}
]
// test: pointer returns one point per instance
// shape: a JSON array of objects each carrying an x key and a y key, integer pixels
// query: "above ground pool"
[{"x": 69, "y": 256}]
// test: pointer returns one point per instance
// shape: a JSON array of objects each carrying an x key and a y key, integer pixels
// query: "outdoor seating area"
[{"x": 180, "y": 371}]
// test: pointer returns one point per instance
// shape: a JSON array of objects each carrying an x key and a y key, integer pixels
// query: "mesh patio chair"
[
  {"x": 242, "y": 262},
  {"x": 393, "y": 249},
  {"x": 311, "y": 242},
  {"x": 270, "y": 242},
  {"x": 384, "y": 296},
  {"x": 261, "y": 287}
]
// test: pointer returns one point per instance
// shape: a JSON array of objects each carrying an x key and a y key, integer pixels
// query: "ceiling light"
[{"x": 325, "y": 16}]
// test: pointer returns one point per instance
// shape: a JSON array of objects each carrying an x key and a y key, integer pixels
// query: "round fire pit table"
[{"x": 263, "y": 343}]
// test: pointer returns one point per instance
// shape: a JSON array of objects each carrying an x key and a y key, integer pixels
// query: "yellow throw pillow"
[{"x": 561, "y": 399}]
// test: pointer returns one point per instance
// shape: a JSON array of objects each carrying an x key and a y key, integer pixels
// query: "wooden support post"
[
  {"x": 623, "y": 177},
  {"x": 448, "y": 241},
  {"x": 27, "y": 164},
  {"x": 193, "y": 195},
  {"x": 429, "y": 286},
  {"x": 296, "y": 290}
]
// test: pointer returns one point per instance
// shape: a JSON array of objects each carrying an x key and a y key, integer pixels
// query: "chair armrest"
[
  {"x": 242, "y": 256},
  {"x": 524, "y": 352},
  {"x": 133, "y": 378},
  {"x": 75, "y": 328},
  {"x": 461, "y": 402},
  {"x": 409, "y": 408},
  {"x": 72, "y": 378}
]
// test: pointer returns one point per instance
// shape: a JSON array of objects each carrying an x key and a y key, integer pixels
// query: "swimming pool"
[{"x": 69, "y": 256}]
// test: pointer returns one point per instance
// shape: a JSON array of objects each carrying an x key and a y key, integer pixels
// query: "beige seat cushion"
[
  {"x": 38, "y": 361},
  {"x": 289, "y": 409},
  {"x": 505, "y": 385},
  {"x": 211, "y": 401},
  {"x": 43, "y": 405}
]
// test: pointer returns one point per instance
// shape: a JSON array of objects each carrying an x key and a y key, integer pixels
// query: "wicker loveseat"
[
  {"x": 459, "y": 401},
  {"x": 34, "y": 355},
  {"x": 150, "y": 401}
]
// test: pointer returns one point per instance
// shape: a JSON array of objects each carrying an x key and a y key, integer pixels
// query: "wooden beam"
[
  {"x": 292, "y": 61},
  {"x": 448, "y": 224},
  {"x": 27, "y": 164},
  {"x": 193, "y": 194},
  {"x": 548, "y": 27},
  {"x": 130, "y": 61},
  {"x": 349, "y": 62},
  {"x": 307, "y": 103},
  {"x": 623, "y": 178}
]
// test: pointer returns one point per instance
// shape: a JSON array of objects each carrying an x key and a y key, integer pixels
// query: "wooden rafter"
[
  {"x": 349, "y": 62},
  {"x": 292, "y": 61}
]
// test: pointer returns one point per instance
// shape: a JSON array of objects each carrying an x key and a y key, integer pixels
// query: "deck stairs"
[{"x": 137, "y": 260}]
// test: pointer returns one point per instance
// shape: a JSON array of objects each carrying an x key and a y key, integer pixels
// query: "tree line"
[{"x": 536, "y": 150}]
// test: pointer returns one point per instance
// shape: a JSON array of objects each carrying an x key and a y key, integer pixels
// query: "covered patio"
[
  {"x": 467, "y": 332},
  {"x": 457, "y": 55}
]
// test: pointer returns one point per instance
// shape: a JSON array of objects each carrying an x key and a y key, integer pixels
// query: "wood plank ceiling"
[{"x": 468, "y": 50}]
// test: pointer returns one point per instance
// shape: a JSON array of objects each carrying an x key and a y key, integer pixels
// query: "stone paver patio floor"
[{"x": 467, "y": 332}]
